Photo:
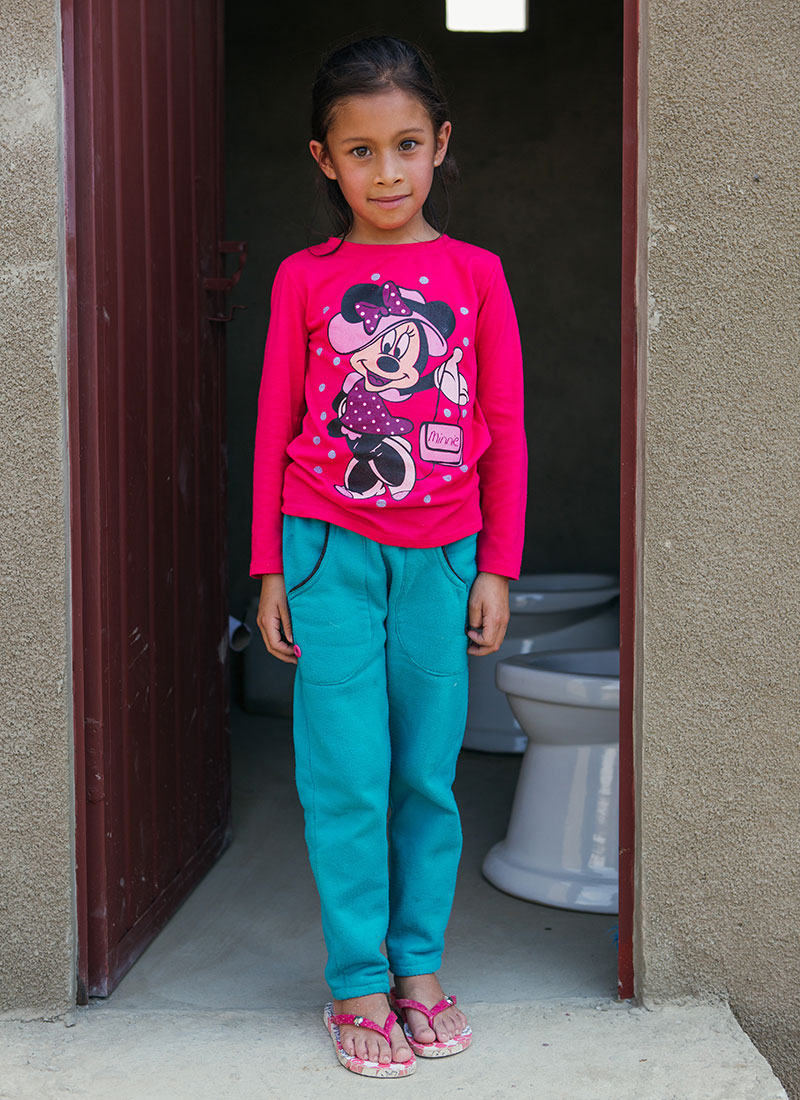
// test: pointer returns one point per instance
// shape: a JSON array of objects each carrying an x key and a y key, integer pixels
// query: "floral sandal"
[
  {"x": 360, "y": 1065},
  {"x": 441, "y": 1048}
]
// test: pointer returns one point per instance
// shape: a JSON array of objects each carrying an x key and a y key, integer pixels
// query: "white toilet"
[
  {"x": 548, "y": 611},
  {"x": 562, "y": 843}
]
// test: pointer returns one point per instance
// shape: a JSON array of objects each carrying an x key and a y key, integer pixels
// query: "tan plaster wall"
[
  {"x": 36, "y": 819},
  {"x": 718, "y": 759}
]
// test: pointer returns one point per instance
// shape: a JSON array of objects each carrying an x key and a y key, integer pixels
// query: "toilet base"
[
  {"x": 496, "y": 738},
  {"x": 561, "y": 889},
  {"x": 562, "y": 843}
]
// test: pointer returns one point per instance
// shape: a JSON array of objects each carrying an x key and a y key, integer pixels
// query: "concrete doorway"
[{"x": 537, "y": 135}]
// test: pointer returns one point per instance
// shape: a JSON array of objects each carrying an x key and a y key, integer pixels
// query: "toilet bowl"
[
  {"x": 562, "y": 843},
  {"x": 548, "y": 611}
]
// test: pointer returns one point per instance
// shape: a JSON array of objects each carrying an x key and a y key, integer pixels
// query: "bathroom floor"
[{"x": 249, "y": 936}]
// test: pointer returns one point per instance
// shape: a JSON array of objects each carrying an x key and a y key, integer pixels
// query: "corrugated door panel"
[
  {"x": 136, "y": 891},
  {"x": 159, "y": 266},
  {"x": 208, "y": 156},
  {"x": 144, "y": 205}
]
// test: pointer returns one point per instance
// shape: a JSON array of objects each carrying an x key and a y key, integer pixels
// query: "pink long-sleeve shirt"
[{"x": 391, "y": 400}]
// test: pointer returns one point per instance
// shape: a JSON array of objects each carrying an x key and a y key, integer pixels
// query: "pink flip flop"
[
  {"x": 360, "y": 1065},
  {"x": 431, "y": 1050}
]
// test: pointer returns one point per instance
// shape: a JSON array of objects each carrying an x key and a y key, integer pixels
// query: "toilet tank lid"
[{"x": 544, "y": 593}]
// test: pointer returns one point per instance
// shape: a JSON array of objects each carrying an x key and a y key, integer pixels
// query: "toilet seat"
[{"x": 577, "y": 677}]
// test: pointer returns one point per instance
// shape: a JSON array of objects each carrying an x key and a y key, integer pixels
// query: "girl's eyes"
[{"x": 362, "y": 151}]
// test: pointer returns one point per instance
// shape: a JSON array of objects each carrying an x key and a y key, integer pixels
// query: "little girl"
[{"x": 389, "y": 500}]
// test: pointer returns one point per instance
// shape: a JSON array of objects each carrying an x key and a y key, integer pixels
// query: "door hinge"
[{"x": 227, "y": 282}]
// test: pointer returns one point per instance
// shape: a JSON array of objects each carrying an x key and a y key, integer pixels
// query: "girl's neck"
[{"x": 413, "y": 232}]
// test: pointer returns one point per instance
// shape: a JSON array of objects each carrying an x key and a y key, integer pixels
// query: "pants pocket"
[
  {"x": 458, "y": 560},
  {"x": 305, "y": 549},
  {"x": 332, "y": 620},
  {"x": 431, "y": 609}
]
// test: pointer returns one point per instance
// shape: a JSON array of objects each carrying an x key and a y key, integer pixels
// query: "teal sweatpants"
[{"x": 380, "y": 705}]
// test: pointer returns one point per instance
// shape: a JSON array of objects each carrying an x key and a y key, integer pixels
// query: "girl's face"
[{"x": 382, "y": 150}]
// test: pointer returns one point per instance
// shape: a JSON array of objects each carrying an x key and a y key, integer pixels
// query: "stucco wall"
[
  {"x": 719, "y": 767},
  {"x": 36, "y": 823}
]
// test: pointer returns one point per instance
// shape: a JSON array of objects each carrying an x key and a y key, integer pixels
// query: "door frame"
[
  {"x": 85, "y": 555},
  {"x": 631, "y": 329}
]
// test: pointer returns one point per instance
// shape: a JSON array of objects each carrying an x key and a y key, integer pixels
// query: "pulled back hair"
[{"x": 365, "y": 67}]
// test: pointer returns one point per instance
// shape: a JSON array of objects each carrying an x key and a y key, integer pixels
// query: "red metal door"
[{"x": 143, "y": 105}]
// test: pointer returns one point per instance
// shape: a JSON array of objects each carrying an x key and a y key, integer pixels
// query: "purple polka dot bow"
[{"x": 393, "y": 305}]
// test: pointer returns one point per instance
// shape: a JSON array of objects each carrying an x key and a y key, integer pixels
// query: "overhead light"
[{"x": 486, "y": 15}]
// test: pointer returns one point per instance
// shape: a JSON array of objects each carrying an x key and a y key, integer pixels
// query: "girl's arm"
[
  {"x": 503, "y": 467},
  {"x": 281, "y": 404}
]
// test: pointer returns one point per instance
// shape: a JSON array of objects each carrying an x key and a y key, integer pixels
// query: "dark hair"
[{"x": 364, "y": 67}]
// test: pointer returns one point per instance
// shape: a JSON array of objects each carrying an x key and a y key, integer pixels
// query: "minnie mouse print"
[{"x": 390, "y": 333}]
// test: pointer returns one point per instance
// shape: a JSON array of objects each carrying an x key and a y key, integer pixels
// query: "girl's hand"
[
  {"x": 488, "y": 613},
  {"x": 273, "y": 614}
]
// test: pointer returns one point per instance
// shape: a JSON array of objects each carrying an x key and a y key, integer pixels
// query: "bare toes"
[
  {"x": 401, "y": 1052},
  {"x": 445, "y": 1031},
  {"x": 450, "y": 1024}
]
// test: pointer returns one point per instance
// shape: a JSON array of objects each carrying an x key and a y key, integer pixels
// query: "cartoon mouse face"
[
  {"x": 389, "y": 333},
  {"x": 394, "y": 359}
]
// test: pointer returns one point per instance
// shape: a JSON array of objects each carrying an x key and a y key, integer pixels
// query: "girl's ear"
[
  {"x": 442, "y": 140},
  {"x": 320, "y": 155}
]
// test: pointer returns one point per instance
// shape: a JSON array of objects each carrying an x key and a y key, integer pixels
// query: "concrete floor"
[
  {"x": 250, "y": 935},
  {"x": 227, "y": 1000}
]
